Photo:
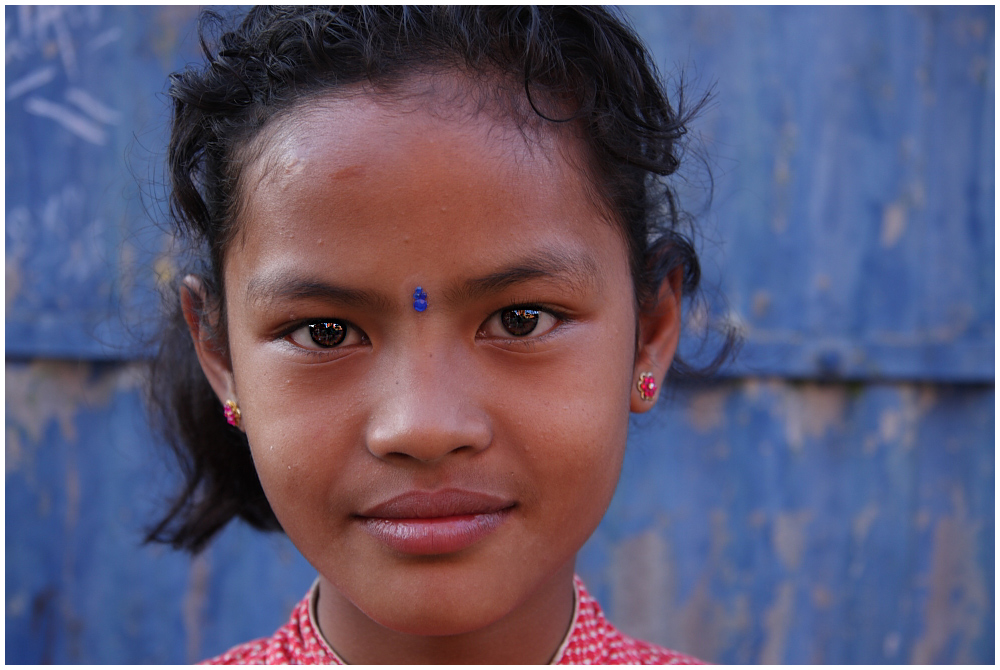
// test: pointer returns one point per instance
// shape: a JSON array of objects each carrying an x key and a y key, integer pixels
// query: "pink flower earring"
[
  {"x": 232, "y": 412},
  {"x": 647, "y": 386}
]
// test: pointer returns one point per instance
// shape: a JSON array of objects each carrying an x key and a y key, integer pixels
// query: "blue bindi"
[{"x": 419, "y": 299}]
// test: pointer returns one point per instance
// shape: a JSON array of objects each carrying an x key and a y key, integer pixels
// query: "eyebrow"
[
  {"x": 285, "y": 286},
  {"x": 579, "y": 270}
]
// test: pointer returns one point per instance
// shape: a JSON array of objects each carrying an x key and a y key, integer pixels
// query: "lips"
[{"x": 424, "y": 523}]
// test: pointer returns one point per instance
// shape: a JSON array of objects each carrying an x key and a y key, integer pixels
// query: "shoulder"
[
  {"x": 631, "y": 651},
  {"x": 594, "y": 640},
  {"x": 296, "y": 643}
]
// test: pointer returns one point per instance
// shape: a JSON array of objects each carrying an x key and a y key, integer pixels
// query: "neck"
[{"x": 529, "y": 634}]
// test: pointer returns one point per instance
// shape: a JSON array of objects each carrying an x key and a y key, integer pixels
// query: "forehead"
[
  {"x": 429, "y": 108},
  {"x": 424, "y": 176},
  {"x": 493, "y": 112}
]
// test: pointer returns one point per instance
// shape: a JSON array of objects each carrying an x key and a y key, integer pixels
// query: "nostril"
[
  {"x": 425, "y": 426},
  {"x": 426, "y": 453}
]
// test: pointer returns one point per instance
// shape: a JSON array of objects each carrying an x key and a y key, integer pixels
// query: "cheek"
[
  {"x": 302, "y": 422},
  {"x": 594, "y": 417},
  {"x": 572, "y": 425},
  {"x": 584, "y": 447}
]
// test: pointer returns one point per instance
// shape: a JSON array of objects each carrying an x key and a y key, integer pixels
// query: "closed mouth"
[
  {"x": 433, "y": 523},
  {"x": 437, "y": 504}
]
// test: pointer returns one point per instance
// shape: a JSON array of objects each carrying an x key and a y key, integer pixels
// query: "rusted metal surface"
[
  {"x": 756, "y": 521},
  {"x": 851, "y": 230},
  {"x": 853, "y": 150},
  {"x": 776, "y": 522},
  {"x": 86, "y": 120},
  {"x": 831, "y": 500}
]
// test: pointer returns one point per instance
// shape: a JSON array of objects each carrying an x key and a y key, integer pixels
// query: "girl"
[{"x": 436, "y": 270}]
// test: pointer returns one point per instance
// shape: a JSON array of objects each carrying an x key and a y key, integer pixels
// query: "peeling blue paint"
[{"x": 831, "y": 500}]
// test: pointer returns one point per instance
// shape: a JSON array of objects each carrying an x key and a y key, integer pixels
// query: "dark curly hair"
[{"x": 278, "y": 57}]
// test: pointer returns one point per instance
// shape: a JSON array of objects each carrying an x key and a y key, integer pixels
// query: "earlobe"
[
  {"x": 213, "y": 358},
  {"x": 659, "y": 334}
]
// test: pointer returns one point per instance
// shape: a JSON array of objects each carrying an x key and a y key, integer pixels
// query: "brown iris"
[
  {"x": 327, "y": 333},
  {"x": 519, "y": 321}
]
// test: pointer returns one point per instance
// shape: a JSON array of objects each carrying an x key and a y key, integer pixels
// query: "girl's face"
[{"x": 437, "y": 467}]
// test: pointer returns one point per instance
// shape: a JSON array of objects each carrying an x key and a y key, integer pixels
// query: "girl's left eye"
[
  {"x": 519, "y": 323},
  {"x": 326, "y": 335}
]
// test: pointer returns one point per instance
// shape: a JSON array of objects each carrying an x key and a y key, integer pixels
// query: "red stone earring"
[
  {"x": 647, "y": 386},
  {"x": 232, "y": 412}
]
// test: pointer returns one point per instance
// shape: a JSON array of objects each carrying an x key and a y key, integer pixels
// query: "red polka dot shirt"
[{"x": 591, "y": 640}]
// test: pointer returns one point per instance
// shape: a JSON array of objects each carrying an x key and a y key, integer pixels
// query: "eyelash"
[
  {"x": 559, "y": 316},
  {"x": 349, "y": 327}
]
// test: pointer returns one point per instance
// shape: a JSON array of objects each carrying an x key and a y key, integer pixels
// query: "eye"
[
  {"x": 325, "y": 335},
  {"x": 519, "y": 322}
]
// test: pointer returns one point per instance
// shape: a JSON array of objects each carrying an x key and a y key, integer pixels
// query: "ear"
[
  {"x": 659, "y": 333},
  {"x": 212, "y": 357}
]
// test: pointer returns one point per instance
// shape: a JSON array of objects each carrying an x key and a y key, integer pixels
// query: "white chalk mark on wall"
[
  {"x": 30, "y": 82},
  {"x": 96, "y": 109},
  {"x": 86, "y": 253},
  {"x": 70, "y": 120},
  {"x": 24, "y": 23},
  {"x": 104, "y": 39},
  {"x": 64, "y": 216},
  {"x": 56, "y": 18},
  {"x": 47, "y": 31},
  {"x": 18, "y": 232}
]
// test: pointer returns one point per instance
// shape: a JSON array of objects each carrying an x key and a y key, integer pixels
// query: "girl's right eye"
[{"x": 326, "y": 335}]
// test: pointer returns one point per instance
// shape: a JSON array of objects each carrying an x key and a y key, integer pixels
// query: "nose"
[{"x": 427, "y": 407}]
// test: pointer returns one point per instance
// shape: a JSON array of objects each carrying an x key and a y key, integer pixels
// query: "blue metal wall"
[{"x": 829, "y": 499}]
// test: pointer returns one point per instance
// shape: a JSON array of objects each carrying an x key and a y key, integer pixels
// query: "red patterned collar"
[{"x": 590, "y": 640}]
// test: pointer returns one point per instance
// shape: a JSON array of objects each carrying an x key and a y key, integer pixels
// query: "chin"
[
  {"x": 430, "y": 618},
  {"x": 438, "y": 605}
]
